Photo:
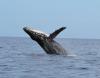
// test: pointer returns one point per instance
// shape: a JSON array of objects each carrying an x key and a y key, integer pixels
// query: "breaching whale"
[{"x": 46, "y": 41}]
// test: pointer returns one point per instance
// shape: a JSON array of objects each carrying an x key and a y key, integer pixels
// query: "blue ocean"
[{"x": 23, "y": 58}]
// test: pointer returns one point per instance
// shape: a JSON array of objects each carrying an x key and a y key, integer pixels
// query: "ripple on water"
[
  {"x": 1, "y": 47},
  {"x": 22, "y": 58}
]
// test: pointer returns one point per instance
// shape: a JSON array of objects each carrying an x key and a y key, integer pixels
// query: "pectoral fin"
[{"x": 56, "y": 32}]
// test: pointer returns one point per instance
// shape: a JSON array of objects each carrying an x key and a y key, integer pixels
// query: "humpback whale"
[{"x": 47, "y": 42}]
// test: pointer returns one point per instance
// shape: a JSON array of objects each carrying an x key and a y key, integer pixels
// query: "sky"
[{"x": 81, "y": 17}]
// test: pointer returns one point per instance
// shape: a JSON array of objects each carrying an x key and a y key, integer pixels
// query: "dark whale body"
[{"x": 48, "y": 43}]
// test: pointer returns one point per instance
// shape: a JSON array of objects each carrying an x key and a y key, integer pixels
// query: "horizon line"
[{"x": 55, "y": 38}]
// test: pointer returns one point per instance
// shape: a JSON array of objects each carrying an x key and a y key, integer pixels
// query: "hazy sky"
[{"x": 81, "y": 17}]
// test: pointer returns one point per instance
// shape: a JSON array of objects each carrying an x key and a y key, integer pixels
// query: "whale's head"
[{"x": 35, "y": 34}]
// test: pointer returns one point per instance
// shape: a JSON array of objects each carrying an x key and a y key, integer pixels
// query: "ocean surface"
[{"x": 24, "y": 58}]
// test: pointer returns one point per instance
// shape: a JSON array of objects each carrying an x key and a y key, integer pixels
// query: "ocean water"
[{"x": 24, "y": 58}]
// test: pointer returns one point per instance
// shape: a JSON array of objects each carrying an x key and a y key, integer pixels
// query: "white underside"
[{"x": 38, "y": 31}]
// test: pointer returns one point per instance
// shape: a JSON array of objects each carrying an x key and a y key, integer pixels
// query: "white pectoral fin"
[{"x": 56, "y": 32}]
